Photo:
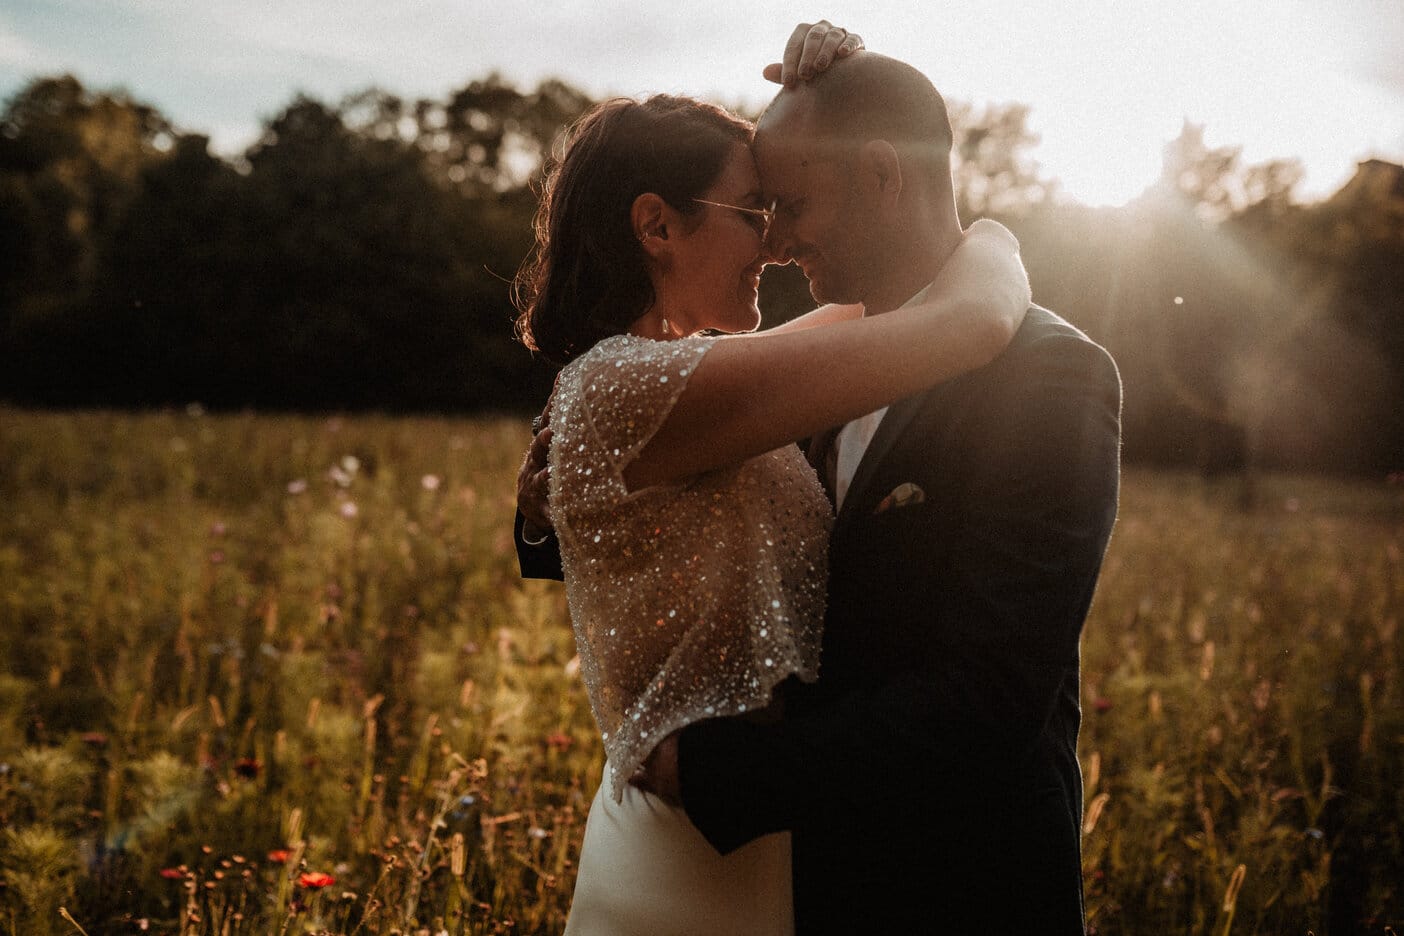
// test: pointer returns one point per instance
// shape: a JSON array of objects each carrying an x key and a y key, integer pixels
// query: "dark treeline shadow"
[{"x": 358, "y": 256}]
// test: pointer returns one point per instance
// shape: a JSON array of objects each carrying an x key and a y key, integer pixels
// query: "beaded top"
[{"x": 688, "y": 601}]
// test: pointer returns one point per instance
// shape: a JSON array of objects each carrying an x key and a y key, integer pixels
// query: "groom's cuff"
[{"x": 728, "y": 772}]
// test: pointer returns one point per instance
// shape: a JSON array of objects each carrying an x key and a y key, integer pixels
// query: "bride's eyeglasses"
[{"x": 758, "y": 218}]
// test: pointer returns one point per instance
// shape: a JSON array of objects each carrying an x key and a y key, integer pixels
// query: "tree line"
[{"x": 358, "y": 256}]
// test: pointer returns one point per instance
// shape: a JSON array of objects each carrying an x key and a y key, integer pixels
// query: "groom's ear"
[{"x": 883, "y": 171}]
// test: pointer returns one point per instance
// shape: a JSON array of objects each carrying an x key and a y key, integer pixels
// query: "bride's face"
[{"x": 717, "y": 262}]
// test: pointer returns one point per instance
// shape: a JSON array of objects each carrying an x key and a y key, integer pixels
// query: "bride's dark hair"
[{"x": 586, "y": 278}]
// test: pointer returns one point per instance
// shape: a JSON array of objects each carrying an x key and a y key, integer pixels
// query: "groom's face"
[{"x": 819, "y": 221}]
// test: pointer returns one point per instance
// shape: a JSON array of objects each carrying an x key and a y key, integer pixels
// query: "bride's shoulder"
[
  {"x": 608, "y": 350},
  {"x": 631, "y": 354}
]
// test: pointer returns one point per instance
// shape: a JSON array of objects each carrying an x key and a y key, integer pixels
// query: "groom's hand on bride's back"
[
  {"x": 812, "y": 48},
  {"x": 533, "y": 479},
  {"x": 659, "y": 772}
]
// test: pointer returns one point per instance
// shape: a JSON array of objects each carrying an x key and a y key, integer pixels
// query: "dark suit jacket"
[{"x": 930, "y": 778}]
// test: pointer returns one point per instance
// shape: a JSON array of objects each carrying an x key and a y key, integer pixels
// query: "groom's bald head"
[{"x": 865, "y": 97}]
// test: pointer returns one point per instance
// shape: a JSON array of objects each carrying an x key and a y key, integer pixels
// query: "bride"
[{"x": 692, "y": 531}]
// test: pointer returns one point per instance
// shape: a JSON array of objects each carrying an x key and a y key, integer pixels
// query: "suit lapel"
[
  {"x": 898, "y": 417},
  {"x": 819, "y": 451}
]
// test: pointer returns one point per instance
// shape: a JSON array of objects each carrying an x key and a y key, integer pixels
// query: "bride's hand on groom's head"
[{"x": 812, "y": 48}]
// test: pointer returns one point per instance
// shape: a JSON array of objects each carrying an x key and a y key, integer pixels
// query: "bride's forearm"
[
  {"x": 984, "y": 272},
  {"x": 824, "y": 315},
  {"x": 751, "y": 394}
]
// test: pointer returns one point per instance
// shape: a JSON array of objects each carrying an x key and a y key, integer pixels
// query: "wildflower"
[
  {"x": 216, "y": 556},
  {"x": 350, "y": 464},
  {"x": 430, "y": 482},
  {"x": 172, "y": 874},
  {"x": 559, "y": 741},
  {"x": 217, "y": 528},
  {"x": 349, "y": 510},
  {"x": 315, "y": 879},
  {"x": 297, "y": 486},
  {"x": 279, "y": 855},
  {"x": 537, "y": 832},
  {"x": 1103, "y": 704},
  {"x": 247, "y": 767},
  {"x": 94, "y": 739}
]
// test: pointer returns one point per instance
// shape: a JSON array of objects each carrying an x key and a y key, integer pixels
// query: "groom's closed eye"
[{"x": 789, "y": 209}]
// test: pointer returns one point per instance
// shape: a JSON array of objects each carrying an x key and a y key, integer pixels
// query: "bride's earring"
[{"x": 667, "y": 329}]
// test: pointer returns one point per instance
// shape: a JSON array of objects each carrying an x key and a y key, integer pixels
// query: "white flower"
[
  {"x": 431, "y": 482},
  {"x": 297, "y": 486},
  {"x": 349, "y": 510},
  {"x": 351, "y": 463}
]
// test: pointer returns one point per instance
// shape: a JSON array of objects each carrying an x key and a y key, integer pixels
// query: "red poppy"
[
  {"x": 172, "y": 874},
  {"x": 279, "y": 855},
  {"x": 316, "y": 879}
]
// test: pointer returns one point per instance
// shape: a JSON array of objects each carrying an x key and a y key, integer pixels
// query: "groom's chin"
[{"x": 824, "y": 293}]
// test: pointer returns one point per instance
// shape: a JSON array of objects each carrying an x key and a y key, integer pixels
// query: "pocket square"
[{"x": 906, "y": 494}]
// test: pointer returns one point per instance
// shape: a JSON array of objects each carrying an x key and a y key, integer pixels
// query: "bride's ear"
[{"x": 649, "y": 217}]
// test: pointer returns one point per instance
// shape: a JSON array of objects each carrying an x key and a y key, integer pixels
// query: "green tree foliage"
[
  {"x": 358, "y": 256},
  {"x": 1251, "y": 331}
]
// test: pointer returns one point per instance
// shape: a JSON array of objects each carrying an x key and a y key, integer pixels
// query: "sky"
[{"x": 1109, "y": 81}]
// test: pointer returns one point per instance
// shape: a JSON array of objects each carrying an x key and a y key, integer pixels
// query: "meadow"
[{"x": 278, "y": 674}]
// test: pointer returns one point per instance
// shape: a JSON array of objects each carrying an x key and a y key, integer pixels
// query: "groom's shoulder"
[{"x": 1047, "y": 340}]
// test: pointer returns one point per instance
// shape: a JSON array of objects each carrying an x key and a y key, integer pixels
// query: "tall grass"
[{"x": 279, "y": 675}]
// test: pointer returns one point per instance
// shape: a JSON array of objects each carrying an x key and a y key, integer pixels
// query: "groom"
[{"x": 929, "y": 779}]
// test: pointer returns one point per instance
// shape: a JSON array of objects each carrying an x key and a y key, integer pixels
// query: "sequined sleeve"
[
  {"x": 626, "y": 395},
  {"x": 691, "y": 600}
]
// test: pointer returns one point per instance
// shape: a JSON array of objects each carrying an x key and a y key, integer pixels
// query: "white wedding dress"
[{"x": 688, "y": 602}]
